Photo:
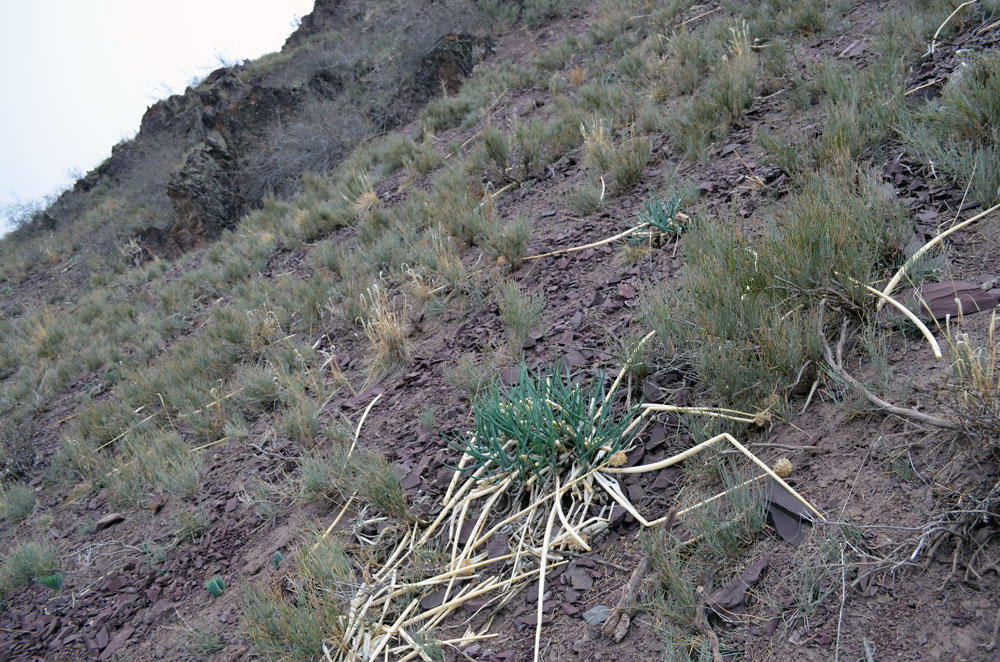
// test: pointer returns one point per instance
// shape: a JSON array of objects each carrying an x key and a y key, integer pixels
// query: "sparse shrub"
[
  {"x": 454, "y": 201},
  {"x": 604, "y": 98},
  {"x": 782, "y": 152},
  {"x": 521, "y": 312},
  {"x": 691, "y": 57},
  {"x": 203, "y": 642},
  {"x": 748, "y": 311},
  {"x": 17, "y": 502},
  {"x": 191, "y": 523},
  {"x": 721, "y": 101},
  {"x": 404, "y": 152},
  {"x": 510, "y": 240},
  {"x": 632, "y": 65},
  {"x": 496, "y": 151},
  {"x": 150, "y": 461},
  {"x": 860, "y": 111},
  {"x": 585, "y": 199},
  {"x": 804, "y": 18},
  {"x": 437, "y": 252},
  {"x": 24, "y": 562}
]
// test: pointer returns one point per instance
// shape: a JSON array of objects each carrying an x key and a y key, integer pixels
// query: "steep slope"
[
  {"x": 204, "y": 158},
  {"x": 284, "y": 409}
]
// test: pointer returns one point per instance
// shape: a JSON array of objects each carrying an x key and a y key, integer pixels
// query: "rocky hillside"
[
  {"x": 538, "y": 330},
  {"x": 203, "y": 159}
]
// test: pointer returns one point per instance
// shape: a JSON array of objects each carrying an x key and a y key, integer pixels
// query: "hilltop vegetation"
[{"x": 409, "y": 303}]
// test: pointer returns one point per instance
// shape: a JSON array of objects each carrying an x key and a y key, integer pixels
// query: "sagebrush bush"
[{"x": 746, "y": 312}]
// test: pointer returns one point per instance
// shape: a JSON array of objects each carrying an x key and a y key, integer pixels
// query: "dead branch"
[
  {"x": 616, "y": 627},
  {"x": 837, "y": 366},
  {"x": 701, "y": 622}
]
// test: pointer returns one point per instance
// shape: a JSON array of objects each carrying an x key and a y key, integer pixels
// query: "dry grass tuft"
[{"x": 385, "y": 329}]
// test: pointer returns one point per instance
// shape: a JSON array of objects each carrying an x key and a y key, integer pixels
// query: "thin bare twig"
[{"x": 701, "y": 622}]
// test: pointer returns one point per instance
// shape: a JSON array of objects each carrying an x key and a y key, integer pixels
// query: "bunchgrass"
[
  {"x": 628, "y": 162},
  {"x": 585, "y": 199},
  {"x": 338, "y": 471},
  {"x": 17, "y": 502},
  {"x": 298, "y": 628},
  {"x": 543, "y": 424},
  {"x": 521, "y": 311},
  {"x": 376, "y": 481},
  {"x": 958, "y": 133},
  {"x": 385, "y": 328},
  {"x": 24, "y": 562},
  {"x": 975, "y": 383}
]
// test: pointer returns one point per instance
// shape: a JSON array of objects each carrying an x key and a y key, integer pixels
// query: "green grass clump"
[
  {"x": 960, "y": 132},
  {"x": 297, "y": 629},
  {"x": 24, "y": 562},
  {"x": 747, "y": 315},
  {"x": 662, "y": 216},
  {"x": 521, "y": 312},
  {"x": 545, "y": 423},
  {"x": 54, "y": 582},
  {"x": 585, "y": 200},
  {"x": 721, "y": 99},
  {"x": 510, "y": 240},
  {"x": 17, "y": 502}
]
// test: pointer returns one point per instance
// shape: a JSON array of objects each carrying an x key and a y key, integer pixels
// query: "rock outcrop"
[{"x": 204, "y": 158}]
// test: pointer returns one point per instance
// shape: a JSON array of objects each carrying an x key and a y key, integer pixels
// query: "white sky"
[{"x": 77, "y": 75}]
